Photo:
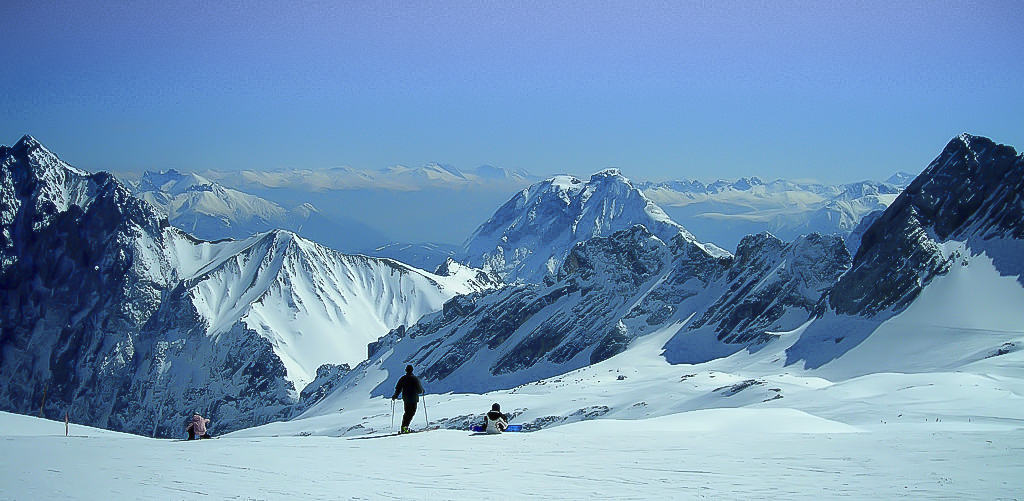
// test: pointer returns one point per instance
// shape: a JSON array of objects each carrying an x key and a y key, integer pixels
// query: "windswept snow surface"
[{"x": 593, "y": 460}]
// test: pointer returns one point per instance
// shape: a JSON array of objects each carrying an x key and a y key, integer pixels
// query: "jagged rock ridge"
[{"x": 968, "y": 202}]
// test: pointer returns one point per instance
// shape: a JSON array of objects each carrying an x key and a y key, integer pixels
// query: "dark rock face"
[
  {"x": 968, "y": 200},
  {"x": 771, "y": 279},
  {"x": 769, "y": 287},
  {"x": 328, "y": 378},
  {"x": 94, "y": 321},
  {"x": 572, "y": 322},
  {"x": 610, "y": 290},
  {"x": 74, "y": 296},
  {"x": 972, "y": 191}
]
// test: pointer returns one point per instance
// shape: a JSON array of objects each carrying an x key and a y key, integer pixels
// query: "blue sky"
[{"x": 834, "y": 91}]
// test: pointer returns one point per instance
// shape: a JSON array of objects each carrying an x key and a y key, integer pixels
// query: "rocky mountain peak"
[
  {"x": 532, "y": 233},
  {"x": 970, "y": 192},
  {"x": 31, "y": 158},
  {"x": 608, "y": 174}
]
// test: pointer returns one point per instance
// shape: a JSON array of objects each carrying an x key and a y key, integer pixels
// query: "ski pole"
[
  {"x": 392, "y": 414},
  {"x": 425, "y": 410}
]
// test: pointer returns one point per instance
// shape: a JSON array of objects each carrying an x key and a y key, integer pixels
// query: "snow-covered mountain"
[
  {"x": 402, "y": 207},
  {"x": 210, "y": 211},
  {"x": 610, "y": 291},
  {"x": 724, "y": 212},
  {"x": 109, "y": 309},
  {"x": 964, "y": 212},
  {"x": 531, "y": 234}
]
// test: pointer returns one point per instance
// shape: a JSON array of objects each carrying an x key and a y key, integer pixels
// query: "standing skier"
[{"x": 411, "y": 389}]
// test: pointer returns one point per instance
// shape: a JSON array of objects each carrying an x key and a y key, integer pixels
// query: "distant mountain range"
[
  {"x": 394, "y": 178},
  {"x": 434, "y": 208},
  {"x": 210, "y": 211},
  {"x": 724, "y": 212}
]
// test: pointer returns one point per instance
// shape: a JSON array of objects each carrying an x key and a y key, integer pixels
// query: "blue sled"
[{"x": 512, "y": 427}]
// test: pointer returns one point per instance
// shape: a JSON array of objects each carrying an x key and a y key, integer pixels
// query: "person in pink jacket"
[{"x": 197, "y": 427}]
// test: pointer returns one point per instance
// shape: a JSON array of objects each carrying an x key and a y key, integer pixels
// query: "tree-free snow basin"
[{"x": 637, "y": 459}]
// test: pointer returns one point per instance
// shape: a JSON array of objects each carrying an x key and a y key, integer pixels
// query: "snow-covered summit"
[
  {"x": 488, "y": 171},
  {"x": 900, "y": 179},
  {"x": 171, "y": 181},
  {"x": 970, "y": 193},
  {"x": 529, "y": 236},
  {"x": 40, "y": 159},
  {"x": 210, "y": 211},
  {"x": 315, "y": 305}
]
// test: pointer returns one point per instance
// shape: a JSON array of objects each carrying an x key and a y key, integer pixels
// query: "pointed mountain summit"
[
  {"x": 970, "y": 193},
  {"x": 963, "y": 214},
  {"x": 529, "y": 236}
]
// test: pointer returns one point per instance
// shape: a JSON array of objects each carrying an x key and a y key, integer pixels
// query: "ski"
[
  {"x": 511, "y": 428},
  {"x": 393, "y": 434}
]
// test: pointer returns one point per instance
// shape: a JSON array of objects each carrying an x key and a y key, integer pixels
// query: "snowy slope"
[
  {"x": 933, "y": 421},
  {"x": 529, "y": 236},
  {"x": 313, "y": 304},
  {"x": 974, "y": 381},
  {"x": 721, "y": 454}
]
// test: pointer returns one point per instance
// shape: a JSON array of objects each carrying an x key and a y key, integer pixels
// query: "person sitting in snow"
[
  {"x": 197, "y": 427},
  {"x": 495, "y": 421}
]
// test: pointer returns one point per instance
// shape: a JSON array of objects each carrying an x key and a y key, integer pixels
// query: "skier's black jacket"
[{"x": 410, "y": 388}]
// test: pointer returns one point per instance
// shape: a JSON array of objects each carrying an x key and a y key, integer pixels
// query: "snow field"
[{"x": 605, "y": 459}]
